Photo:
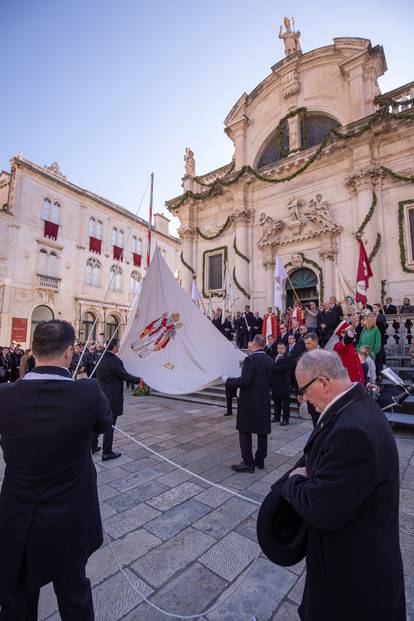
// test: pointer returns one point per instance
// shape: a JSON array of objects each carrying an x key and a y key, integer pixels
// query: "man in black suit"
[
  {"x": 281, "y": 385},
  {"x": 253, "y": 406},
  {"x": 218, "y": 320},
  {"x": 335, "y": 310},
  {"x": 283, "y": 336},
  {"x": 311, "y": 344},
  {"x": 49, "y": 512},
  {"x": 257, "y": 324},
  {"x": 389, "y": 308},
  {"x": 295, "y": 349},
  {"x": 249, "y": 320},
  {"x": 346, "y": 488},
  {"x": 111, "y": 375},
  {"x": 326, "y": 324}
]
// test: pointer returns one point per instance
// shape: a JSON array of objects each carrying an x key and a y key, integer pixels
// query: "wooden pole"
[{"x": 293, "y": 289}]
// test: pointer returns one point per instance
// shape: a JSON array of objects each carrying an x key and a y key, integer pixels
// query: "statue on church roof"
[
  {"x": 290, "y": 38},
  {"x": 189, "y": 162}
]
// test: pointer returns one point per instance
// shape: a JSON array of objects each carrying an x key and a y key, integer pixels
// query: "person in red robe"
[
  {"x": 270, "y": 325},
  {"x": 296, "y": 314},
  {"x": 345, "y": 348}
]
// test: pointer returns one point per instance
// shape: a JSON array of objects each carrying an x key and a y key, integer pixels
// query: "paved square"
[{"x": 187, "y": 545}]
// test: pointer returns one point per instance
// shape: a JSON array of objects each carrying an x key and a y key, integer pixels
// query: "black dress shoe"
[
  {"x": 111, "y": 455},
  {"x": 284, "y": 423},
  {"x": 96, "y": 449},
  {"x": 259, "y": 464},
  {"x": 243, "y": 467},
  {"x": 275, "y": 420},
  {"x": 228, "y": 414}
]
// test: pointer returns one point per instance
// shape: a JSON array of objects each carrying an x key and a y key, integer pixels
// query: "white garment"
[{"x": 48, "y": 376}]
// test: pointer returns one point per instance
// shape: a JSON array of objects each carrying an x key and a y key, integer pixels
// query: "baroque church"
[{"x": 321, "y": 160}]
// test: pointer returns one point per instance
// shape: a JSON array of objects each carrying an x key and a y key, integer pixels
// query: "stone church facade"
[
  {"x": 321, "y": 159},
  {"x": 67, "y": 253}
]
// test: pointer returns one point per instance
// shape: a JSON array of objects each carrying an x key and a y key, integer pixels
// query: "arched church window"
[
  {"x": 315, "y": 129},
  {"x": 274, "y": 147}
]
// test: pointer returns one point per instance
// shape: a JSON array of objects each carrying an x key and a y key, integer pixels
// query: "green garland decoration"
[
  {"x": 215, "y": 235},
  {"x": 281, "y": 130},
  {"x": 375, "y": 248},
  {"x": 203, "y": 275},
  {"x": 383, "y": 290},
  {"x": 317, "y": 267},
  {"x": 191, "y": 269},
  {"x": 367, "y": 217},
  {"x": 238, "y": 285},
  {"x": 207, "y": 185},
  {"x": 401, "y": 240},
  {"x": 218, "y": 184},
  {"x": 386, "y": 103},
  {"x": 237, "y": 251}
]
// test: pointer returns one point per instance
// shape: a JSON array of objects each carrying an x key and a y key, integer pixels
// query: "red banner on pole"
[
  {"x": 19, "y": 330},
  {"x": 363, "y": 275}
]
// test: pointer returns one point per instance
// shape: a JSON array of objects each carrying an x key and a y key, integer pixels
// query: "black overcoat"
[
  {"x": 111, "y": 375},
  {"x": 350, "y": 503},
  {"x": 281, "y": 387},
  {"x": 253, "y": 405},
  {"x": 49, "y": 510}
]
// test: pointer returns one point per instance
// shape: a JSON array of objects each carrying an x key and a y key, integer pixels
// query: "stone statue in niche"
[
  {"x": 296, "y": 260},
  {"x": 189, "y": 162},
  {"x": 290, "y": 38},
  {"x": 294, "y": 209},
  {"x": 318, "y": 212},
  {"x": 269, "y": 228}
]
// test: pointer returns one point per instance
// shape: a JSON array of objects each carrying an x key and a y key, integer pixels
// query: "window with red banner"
[
  {"x": 118, "y": 253},
  {"x": 51, "y": 230},
  {"x": 95, "y": 245},
  {"x": 137, "y": 259}
]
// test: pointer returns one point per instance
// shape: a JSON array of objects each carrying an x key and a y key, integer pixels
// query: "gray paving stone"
[
  {"x": 230, "y": 556},
  {"x": 47, "y": 602},
  {"x": 225, "y": 518},
  {"x": 173, "y": 555},
  {"x": 107, "y": 476},
  {"x": 286, "y": 612},
  {"x": 106, "y": 491},
  {"x": 135, "y": 479},
  {"x": 260, "y": 594},
  {"x": 125, "y": 500},
  {"x": 175, "y": 496},
  {"x": 116, "y": 463},
  {"x": 122, "y": 523},
  {"x": 407, "y": 501},
  {"x": 175, "y": 477},
  {"x": 114, "y": 598},
  {"x": 409, "y": 596},
  {"x": 214, "y": 497},
  {"x": 106, "y": 510},
  {"x": 171, "y": 522},
  {"x": 296, "y": 593},
  {"x": 247, "y": 528}
]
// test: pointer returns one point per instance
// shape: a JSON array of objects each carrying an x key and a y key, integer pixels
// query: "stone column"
[
  {"x": 269, "y": 268},
  {"x": 328, "y": 258},
  {"x": 237, "y": 133},
  {"x": 187, "y": 235},
  {"x": 242, "y": 218},
  {"x": 294, "y": 133}
]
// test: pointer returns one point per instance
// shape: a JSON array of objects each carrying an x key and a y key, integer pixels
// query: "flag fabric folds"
[
  {"x": 195, "y": 293},
  {"x": 280, "y": 277},
  {"x": 169, "y": 342},
  {"x": 363, "y": 275}
]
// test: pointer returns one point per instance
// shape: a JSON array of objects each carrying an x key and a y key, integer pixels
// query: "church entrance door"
[{"x": 305, "y": 283}]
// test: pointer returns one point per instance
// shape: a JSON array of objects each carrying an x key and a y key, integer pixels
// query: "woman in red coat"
[{"x": 345, "y": 349}]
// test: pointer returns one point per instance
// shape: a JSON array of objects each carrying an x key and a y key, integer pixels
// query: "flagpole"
[
  {"x": 293, "y": 289},
  {"x": 150, "y": 221}
]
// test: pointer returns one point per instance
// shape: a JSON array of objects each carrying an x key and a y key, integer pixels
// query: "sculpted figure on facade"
[
  {"x": 318, "y": 212},
  {"x": 189, "y": 162},
  {"x": 296, "y": 260},
  {"x": 55, "y": 169},
  {"x": 296, "y": 218},
  {"x": 290, "y": 38},
  {"x": 270, "y": 228}
]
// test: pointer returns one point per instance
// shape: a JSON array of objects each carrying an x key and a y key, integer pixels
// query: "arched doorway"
[
  {"x": 305, "y": 284},
  {"x": 39, "y": 314},
  {"x": 112, "y": 323},
  {"x": 88, "y": 331}
]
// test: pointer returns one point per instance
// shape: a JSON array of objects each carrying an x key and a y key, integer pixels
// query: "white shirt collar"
[{"x": 334, "y": 400}]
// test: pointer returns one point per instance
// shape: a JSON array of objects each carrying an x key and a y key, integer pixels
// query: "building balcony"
[{"x": 50, "y": 283}]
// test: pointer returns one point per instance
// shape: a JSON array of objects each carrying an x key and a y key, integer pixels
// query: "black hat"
[{"x": 281, "y": 532}]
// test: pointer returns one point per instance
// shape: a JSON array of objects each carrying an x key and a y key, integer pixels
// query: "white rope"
[
  {"x": 230, "y": 590},
  {"x": 197, "y": 476}
]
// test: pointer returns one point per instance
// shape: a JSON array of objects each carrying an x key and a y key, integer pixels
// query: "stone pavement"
[{"x": 183, "y": 542}]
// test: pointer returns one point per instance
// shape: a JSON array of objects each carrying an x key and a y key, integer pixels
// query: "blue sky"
[{"x": 113, "y": 90}]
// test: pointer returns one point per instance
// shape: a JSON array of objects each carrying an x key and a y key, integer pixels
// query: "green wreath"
[
  {"x": 401, "y": 236},
  {"x": 238, "y": 285},
  {"x": 191, "y": 269},
  {"x": 238, "y": 252},
  {"x": 213, "y": 294},
  {"x": 215, "y": 235}
]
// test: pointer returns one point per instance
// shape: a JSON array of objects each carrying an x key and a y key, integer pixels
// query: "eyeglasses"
[{"x": 302, "y": 390}]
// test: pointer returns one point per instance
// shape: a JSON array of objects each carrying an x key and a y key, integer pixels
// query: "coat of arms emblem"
[{"x": 157, "y": 335}]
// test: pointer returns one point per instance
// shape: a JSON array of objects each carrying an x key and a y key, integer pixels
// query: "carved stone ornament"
[
  {"x": 187, "y": 232},
  {"x": 55, "y": 169},
  {"x": 242, "y": 215},
  {"x": 290, "y": 83},
  {"x": 296, "y": 260},
  {"x": 189, "y": 162},
  {"x": 302, "y": 223},
  {"x": 362, "y": 177}
]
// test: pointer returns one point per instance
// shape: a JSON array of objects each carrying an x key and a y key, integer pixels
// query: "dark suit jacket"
[
  {"x": 281, "y": 387},
  {"x": 350, "y": 503},
  {"x": 218, "y": 324},
  {"x": 253, "y": 406},
  {"x": 49, "y": 510},
  {"x": 390, "y": 309},
  {"x": 111, "y": 375}
]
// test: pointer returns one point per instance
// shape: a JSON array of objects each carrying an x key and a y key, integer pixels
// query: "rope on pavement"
[{"x": 230, "y": 590}]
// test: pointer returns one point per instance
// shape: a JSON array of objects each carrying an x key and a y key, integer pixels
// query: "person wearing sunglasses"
[{"x": 346, "y": 489}]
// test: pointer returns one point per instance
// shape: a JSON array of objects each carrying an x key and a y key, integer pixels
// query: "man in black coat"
[
  {"x": 281, "y": 387},
  {"x": 295, "y": 348},
  {"x": 389, "y": 307},
  {"x": 346, "y": 488},
  {"x": 217, "y": 321},
  {"x": 249, "y": 321},
  {"x": 111, "y": 375},
  {"x": 49, "y": 512},
  {"x": 326, "y": 324},
  {"x": 253, "y": 406}
]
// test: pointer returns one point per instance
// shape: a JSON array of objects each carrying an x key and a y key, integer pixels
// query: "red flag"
[{"x": 363, "y": 275}]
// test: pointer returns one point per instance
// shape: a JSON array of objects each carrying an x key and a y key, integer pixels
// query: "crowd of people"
[{"x": 358, "y": 337}]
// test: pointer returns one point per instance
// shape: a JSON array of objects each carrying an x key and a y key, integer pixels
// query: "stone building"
[
  {"x": 321, "y": 158},
  {"x": 62, "y": 247}
]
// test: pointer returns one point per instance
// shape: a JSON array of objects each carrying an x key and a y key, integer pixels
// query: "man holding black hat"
[{"x": 49, "y": 512}]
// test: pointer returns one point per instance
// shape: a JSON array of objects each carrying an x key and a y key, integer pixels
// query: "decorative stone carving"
[
  {"x": 290, "y": 38},
  {"x": 189, "y": 162},
  {"x": 330, "y": 255},
  {"x": 55, "y": 169},
  {"x": 242, "y": 215},
  {"x": 187, "y": 232},
  {"x": 290, "y": 83},
  {"x": 301, "y": 224},
  {"x": 368, "y": 175},
  {"x": 296, "y": 260}
]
